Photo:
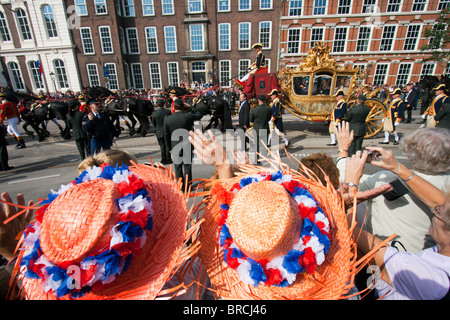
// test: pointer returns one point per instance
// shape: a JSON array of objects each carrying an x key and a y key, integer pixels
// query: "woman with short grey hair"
[
  {"x": 400, "y": 211},
  {"x": 428, "y": 150}
]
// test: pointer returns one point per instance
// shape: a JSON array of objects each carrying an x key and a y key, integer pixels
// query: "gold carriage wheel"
[{"x": 374, "y": 122}]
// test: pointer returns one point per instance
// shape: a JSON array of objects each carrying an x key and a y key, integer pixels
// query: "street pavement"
[{"x": 46, "y": 165}]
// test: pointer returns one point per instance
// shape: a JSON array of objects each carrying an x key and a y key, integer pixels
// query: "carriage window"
[
  {"x": 301, "y": 85},
  {"x": 322, "y": 84},
  {"x": 343, "y": 83}
]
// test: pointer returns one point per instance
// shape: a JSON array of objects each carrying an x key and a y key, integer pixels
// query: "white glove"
[
  {"x": 396, "y": 124},
  {"x": 424, "y": 116}
]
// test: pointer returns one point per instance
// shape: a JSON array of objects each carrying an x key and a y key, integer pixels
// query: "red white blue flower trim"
[
  {"x": 305, "y": 256},
  {"x": 127, "y": 237}
]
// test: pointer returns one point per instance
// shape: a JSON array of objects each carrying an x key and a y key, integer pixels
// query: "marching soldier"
[
  {"x": 276, "y": 122},
  {"x": 259, "y": 63},
  {"x": 9, "y": 111},
  {"x": 338, "y": 113},
  {"x": 393, "y": 117},
  {"x": 435, "y": 106}
]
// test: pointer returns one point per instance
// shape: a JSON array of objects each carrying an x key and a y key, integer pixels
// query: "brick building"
[
  {"x": 36, "y": 47},
  {"x": 383, "y": 36},
  {"x": 158, "y": 43}
]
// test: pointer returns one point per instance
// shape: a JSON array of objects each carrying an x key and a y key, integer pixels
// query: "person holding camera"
[
  {"x": 402, "y": 275},
  {"x": 401, "y": 211}
]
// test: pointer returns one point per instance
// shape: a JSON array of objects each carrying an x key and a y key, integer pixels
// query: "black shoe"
[
  {"x": 396, "y": 143},
  {"x": 331, "y": 144},
  {"x": 8, "y": 168},
  {"x": 382, "y": 142}
]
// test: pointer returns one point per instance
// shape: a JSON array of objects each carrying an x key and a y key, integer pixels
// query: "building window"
[
  {"x": 151, "y": 39},
  {"x": 224, "y": 36},
  {"x": 411, "y": 37},
  {"x": 172, "y": 72},
  {"x": 295, "y": 7},
  {"x": 362, "y": 44},
  {"x": 196, "y": 36},
  {"x": 225, "y": 72},
  {"x": 36, "y": 75},
  {"x": 387, "y": 38},
  {"x": 16, "y": 76},
  {"x": 167, "y": 7},
  {"x": 344, "y": 6},
  {"x": 4, "y": 30},
  {"x": 92, "y": 73},
  {"x": 320, "y": 7},
  {"x": 123, "y": 42},
  {"x": 268, "y": 64},
  {"x": 244, "y": 35},
  {"x": 427, "y": 69},
  {"x": 136, "y": 74},
  {"x": 155, "y": 75},
  {"x": 80, "y": 7},
  {"x": 394, "y": 5},
  {"x": 293, "y": 46},
  {"x": 100, "y": 7},
  {"x": 245, "y": 5},
  {"x": 61, "y": 74},
  {"x": 340, "y": 39},
  {"x": 223, "y": 5},
  {"x": 49, "y": 19},
  {"x": 147, "y": 8},
  {"x": 265, "y": 4},
  {"x": 127, "y": 8},
  {"x": 369, "y": 6},
  {"x": 419, "y": 5},
  {"x": 443, "y": 4},
  {"x": 380, "y": 74},
  {"x": 170, "y": 39},
  {"x": 265, "y": 33},
  {"x": 23, "y": 24},
  {"x": 195, "y": 6},
  {"x": 244, "y": 65},
  {"x": 105, "y": 39},
  {"x": 403, "y": 74},
  {"x": 86, "y": 40},
  {"x": 316, "y": 35},
  {"x": 132, "y": 40},
  {"x": 113, "y": 84}
]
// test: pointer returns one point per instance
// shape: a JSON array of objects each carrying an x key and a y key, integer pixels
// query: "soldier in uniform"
[
  {"x": 158, "y": 121},
  {"x": 439, "y": 100},
  {"x": 393, "y": 117},
  {"x": 83, "y": 105},
  {"x": 259, "y": 120},
  {"x": 356, "y": 117},
  {"x": 260, "y": 62},
  {"x": 338, "y": 113},
  {"x": 173, "y": 96},
  {"x": 276, "y": 122},
  {"x": 10, "y": 112},
  {"x": 181, "y": 120}
]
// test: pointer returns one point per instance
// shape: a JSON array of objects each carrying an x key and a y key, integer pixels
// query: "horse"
[
  {"x": 219, "y": 109},
  {"x": 137, "y": 110}
]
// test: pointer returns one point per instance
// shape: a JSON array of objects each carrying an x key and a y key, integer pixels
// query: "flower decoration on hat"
[
  {"x": 126, "y": 237},
  {"x": 305, "y": 255}
]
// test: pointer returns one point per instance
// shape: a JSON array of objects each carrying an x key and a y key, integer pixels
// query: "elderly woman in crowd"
[
  {"x": 400, "y": 275},
  {"x": 401, "y": 211}
]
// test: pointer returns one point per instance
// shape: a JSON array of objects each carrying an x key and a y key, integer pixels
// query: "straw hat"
[
  {"x": 278, "y": 235},
  {"x": 117, "y": 232}
]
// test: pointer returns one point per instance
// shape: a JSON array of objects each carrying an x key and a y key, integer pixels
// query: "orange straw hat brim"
[
  {"x": 159, "y": 256},
  {"x": 331, "y": 280}
]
